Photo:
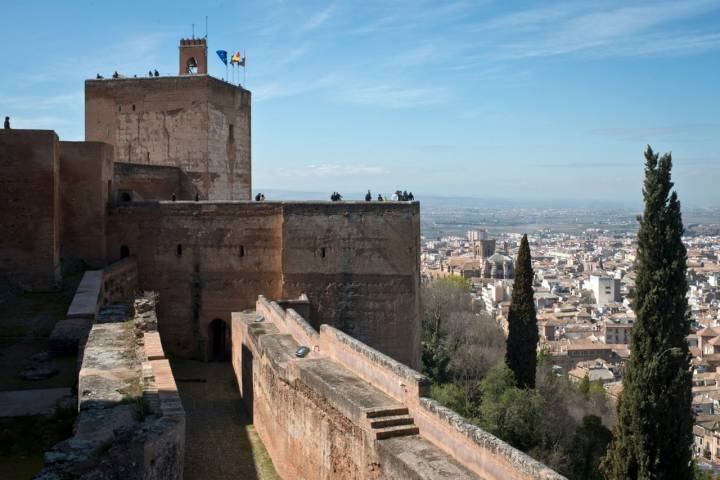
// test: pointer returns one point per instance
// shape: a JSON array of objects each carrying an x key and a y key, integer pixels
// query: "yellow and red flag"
[{"x": 237, "y": 58}]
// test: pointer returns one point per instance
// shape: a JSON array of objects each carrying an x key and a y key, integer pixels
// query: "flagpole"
[{"x": 244, "y": 67}]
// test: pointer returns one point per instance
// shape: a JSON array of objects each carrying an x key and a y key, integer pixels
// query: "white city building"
[{"x": 604, "y": 288}]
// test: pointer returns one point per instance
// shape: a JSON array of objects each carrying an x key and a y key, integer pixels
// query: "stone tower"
[
  {"x": 193, "y": 56},
  {"x": 192, "y": 121},
  {"x": 484, "y": 248}
]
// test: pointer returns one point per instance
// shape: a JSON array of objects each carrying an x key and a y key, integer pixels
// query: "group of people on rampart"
[{"x": 398, "y": 196}]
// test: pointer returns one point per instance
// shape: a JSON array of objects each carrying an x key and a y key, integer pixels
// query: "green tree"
[
  {"x": 653, "y": 434},
  {"x": 589, "y": 444},
  {"x": 521, "y": 353},
  {"x": 584, "y": 386},
  {"x": 444, "y": 301}
]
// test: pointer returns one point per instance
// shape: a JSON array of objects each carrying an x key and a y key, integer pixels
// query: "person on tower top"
[
  {"x": 368, "y": 196},
  {"x": 7, "y": 123}
]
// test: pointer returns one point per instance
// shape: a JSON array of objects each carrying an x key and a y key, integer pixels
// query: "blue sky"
[{"x": 496, "y": 99}]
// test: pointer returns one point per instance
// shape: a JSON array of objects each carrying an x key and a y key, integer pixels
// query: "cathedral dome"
[{"x": 499, "y": 266}]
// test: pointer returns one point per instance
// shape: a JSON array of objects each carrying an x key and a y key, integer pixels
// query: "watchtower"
[{"x": 193, "y": 56}]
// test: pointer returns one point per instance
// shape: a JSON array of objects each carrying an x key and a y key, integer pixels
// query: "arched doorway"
[
  {"x": 218, "y": 341},
  {"x": 124, "y": 251}
]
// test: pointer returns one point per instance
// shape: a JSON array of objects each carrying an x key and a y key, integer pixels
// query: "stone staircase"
[{"x": 390, "y": 422}]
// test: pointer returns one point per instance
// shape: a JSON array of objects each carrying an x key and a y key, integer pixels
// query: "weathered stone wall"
[
  {"x": 120, "y": 280},
  {"x": 304, "y": 433},
  {"x": 30, "y": 213},
  {"x": 300, "y": 406},
  {"x": 151, "y": 182},
  {"x": 197, "y": 123},
  {"x": 366, "y": 282},
  {"x": 229, "y": 253},
  {"x": 85, "y": 186},
  {"x": 131, "y": 424}
]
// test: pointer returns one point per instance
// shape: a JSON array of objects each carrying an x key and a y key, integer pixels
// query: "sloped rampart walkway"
[{"x": 220, "y": 441}]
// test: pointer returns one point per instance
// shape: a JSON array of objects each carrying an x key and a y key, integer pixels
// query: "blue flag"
[{"x": 223, "y": 56}]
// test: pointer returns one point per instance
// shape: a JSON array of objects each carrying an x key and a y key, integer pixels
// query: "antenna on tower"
[
  {"x": 206, "y": 26},
  {"x": 193, "y": 30}
]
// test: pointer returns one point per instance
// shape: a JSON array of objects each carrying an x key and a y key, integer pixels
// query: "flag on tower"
[
  {"x": 238, "y": 59},
  {"x": 223, "y": 56}
]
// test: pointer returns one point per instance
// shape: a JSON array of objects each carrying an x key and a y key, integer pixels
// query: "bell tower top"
[{"x": 193, "y": 56}]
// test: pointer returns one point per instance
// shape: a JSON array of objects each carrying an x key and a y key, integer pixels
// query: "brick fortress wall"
[
  {"x": 357, "y": 262},
  {"x": 197, "y": 123},
  {"x": 336, "y": 412},
  {"x": 151, "y": 182},
  {"x": 86, "y": 170},
  {"x": 30, "y": 213}
]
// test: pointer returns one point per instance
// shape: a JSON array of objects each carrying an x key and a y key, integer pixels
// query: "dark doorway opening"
[
  {"x": 218, "y": 337},
  {"x": 124, "y": 251}
]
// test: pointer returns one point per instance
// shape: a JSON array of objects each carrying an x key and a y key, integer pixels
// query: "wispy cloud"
[
  {"x": 602, "y": 29},
  {"x": 649, "y": 133},
  {"x": 318, "y": 19},
  {"x": 277, "y": 89},
  {"x": 391, "y": 96},
  {"x": 44, "y": 102},
  {"x": 397, "y": 16},
  {"x": 331, "y": 170}
]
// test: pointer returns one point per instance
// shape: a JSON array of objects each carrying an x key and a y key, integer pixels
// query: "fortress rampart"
[
  {"x": 349, "y": 411},
  {"x": 30, "y": 213},
  {"x": 357, "y": 262},
  {"x": 194, "y": 122},
  {"x": 131, "y": 424},
  {"x": 86, "y": 174}
]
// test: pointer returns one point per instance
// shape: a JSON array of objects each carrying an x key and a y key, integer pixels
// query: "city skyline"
[{"x": 473, "y": 99}]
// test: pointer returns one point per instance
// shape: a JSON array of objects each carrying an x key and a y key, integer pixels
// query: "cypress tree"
[
  {"x": 653, "y": 434},
  {"x": 521, "y": 354}
]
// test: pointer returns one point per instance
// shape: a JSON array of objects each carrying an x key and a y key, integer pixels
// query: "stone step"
[
  {"x": 397, "y": 431},
  {"x": 385, "y": 412},
  {"x": 391, "y": 421}
]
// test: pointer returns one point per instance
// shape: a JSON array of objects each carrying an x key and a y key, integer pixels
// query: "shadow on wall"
[{"x": 218, "y": 341}]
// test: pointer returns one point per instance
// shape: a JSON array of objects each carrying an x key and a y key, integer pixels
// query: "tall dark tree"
[
  {"x": 653, "y": 434},
  {"x": 521, "y": 353}
]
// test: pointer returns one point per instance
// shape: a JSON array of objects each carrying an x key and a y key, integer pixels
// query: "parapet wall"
[
  {"x": 264, "y": 363},
  {"x": 131, "y": 424},
  {"x": 30, "y": 213},
  {"x": 357, "y": 262},
  {"x": 120, "y": 280}
]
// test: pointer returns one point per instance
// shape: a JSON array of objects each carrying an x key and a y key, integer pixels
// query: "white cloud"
[
  {"x": 318, "y": 19},
  {"x": 391, "y": 96},
  {"x": 330, "y": 170},
  {"x": 616, "y": 30}
]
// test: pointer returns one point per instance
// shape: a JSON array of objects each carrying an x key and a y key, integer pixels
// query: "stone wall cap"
[{"x": 519, "y": 460}]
